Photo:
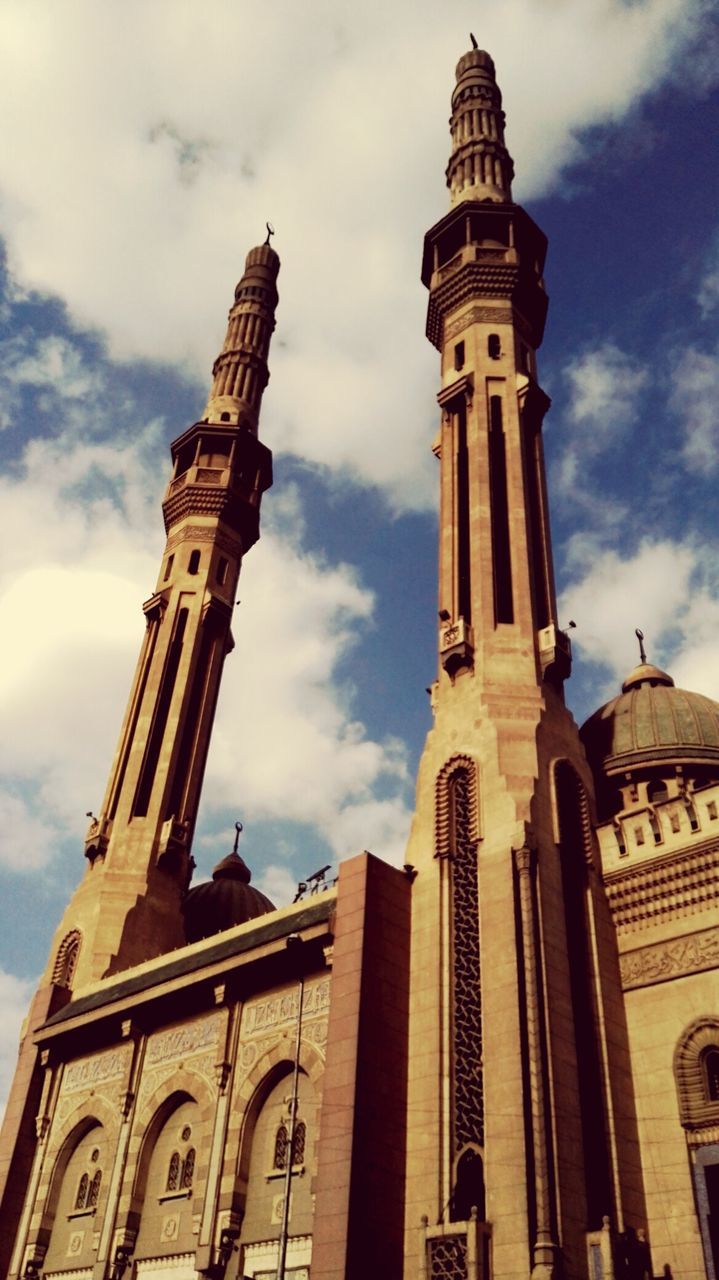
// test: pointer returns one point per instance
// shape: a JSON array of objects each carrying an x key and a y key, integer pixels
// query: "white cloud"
[
  {"x": 278, "y": 883},
  {"x": 70, "y": 591},
  {"x": 25, "y": 840},
  {"x": 150, "y": 143},
  {"x": 605, "y": 386},
  {"x": 694, "y": 399},
  {"x": 708, "y": 292},
  {"x": 52, "y": 366},
  {"x": 285, "y": 743},
  {"x": 14, "y": 997},
  {"x": 667, "y": 589}
]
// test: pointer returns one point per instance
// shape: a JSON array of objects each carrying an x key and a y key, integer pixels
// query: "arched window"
[
  {"x": 456, "y": 841},
  {"x": 710, "y": 1065},
  {"x": 181, "y": 1168},
  {"x": 298, "y": 1143},
  {"x": 81, "y": 1197},
  {"x": 93, "y": 1192},
  {"x": 166, "y": 1181},
  {"x": 188, "y": 1169},
  {"x": 281, "y": 1144},
  {"x": 264, "y": 1159},
  {"x": 66, "y": 961},
  {"x": 75, "y": 1191},
  {"x": 696, "y": 1070},
  {"x": 658, "y": 792},
  {"x": 468, "y": 1191}
]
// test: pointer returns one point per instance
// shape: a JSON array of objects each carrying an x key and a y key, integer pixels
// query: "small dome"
[
  {"x": 646, "y": 673},
  {"x": 226, "y": 900},
  {"x": 652, "y": 722},
  {"x": 262, "y": 260}
]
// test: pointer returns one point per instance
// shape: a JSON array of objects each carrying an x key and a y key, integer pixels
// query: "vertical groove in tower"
[
  {"x": 513, "y": 1134},
  {"x": 127, "y": 907}
]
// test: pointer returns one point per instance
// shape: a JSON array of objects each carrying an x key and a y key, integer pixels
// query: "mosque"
[{"x": 500, "y": 1061}]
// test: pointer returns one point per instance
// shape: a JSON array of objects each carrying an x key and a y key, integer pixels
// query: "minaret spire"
[
  {"x": 239, "y": 374},
  {"x": 487, "y": 306},
  {"x": 504, "y": 981},
  {"x": 127, "y": 907},
  {"x": 480, "y": 166}
]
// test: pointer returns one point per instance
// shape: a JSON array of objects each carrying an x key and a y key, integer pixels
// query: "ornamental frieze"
[
  {"x": 680, "y": 885},
  {"x": 185, "y": 1041},
  {"x": 665, "y": 960},
  {"x": 89, "y": 1073},
  {"x": 477, "y": 315},
  {"x": 204, "y": 533},
  {"x": 263, "y": 1015}
]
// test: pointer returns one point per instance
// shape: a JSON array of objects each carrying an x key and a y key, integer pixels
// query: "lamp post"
[{"x": 293, "y": 940}]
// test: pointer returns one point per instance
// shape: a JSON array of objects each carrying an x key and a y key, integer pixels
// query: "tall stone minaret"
[
  {"x": 127, "y": 907},
  {"x": 520, "y": 1104}
]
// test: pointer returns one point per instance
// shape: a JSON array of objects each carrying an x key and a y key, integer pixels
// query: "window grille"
[
  {"x": 298, "y": 1143},
  {"x": 173, "y": 1173},
  {"x": 281, "y": 1144},
  {"x": 188, "y": 1169},
  {"x": 93, "y": 1193},
  {"x": 81, "y": 1197}
]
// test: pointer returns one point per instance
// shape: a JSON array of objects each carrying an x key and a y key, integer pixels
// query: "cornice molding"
[{"x": 679, "y": 885}]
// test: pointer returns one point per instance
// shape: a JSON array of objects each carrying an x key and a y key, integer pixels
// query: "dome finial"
[
  {"x": 270, "y": 231},
  {"x": 238, "y": 829},
  {"x": 473, "y": 39},
  {"x": 640, "y": 637}
]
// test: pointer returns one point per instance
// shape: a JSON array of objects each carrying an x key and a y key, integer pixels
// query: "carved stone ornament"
[
  {"x": 665, "y": 960},
  {"x": 89, "y": 1073},
  {"x": 204, "y": 533},
  {"x": 477, "y": 315},
  {"x": 183, "y": 1042},
  {"x": 680, "y": 885},
  {"x": 260, "y": 1016}
]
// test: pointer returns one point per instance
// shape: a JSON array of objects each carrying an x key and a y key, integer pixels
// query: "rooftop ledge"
[{"x": 215, "y": 955}]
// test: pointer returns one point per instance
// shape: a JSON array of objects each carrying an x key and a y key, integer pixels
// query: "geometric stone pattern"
[
  {"x": 448, "y": 1258},
  {"x": 466, "y": 991}
]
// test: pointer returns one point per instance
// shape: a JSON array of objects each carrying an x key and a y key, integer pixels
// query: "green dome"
[{"x": 650, "y": 722}]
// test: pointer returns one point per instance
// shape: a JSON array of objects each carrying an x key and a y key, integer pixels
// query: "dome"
[
  {"x": 224, "y": 901},
  {"x": 649, "y": 723}
]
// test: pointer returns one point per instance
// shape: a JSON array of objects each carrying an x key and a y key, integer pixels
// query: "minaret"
[
  {"x": 127, "y": 907},
  {"x": 520, "y": 1114}
]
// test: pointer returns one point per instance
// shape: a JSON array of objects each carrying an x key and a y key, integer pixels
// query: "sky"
[{"x": 146, "y": 145}]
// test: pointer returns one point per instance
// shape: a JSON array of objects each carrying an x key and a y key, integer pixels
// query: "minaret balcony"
[
  {"x": 555, "y": 653},
  {"x": 490, "y": 254},
  {"x": 456, "y": 646},
  {"x": 458, "y": 1249},
  {"x": 98, "y": 838},
  {"x": 232, "y": 492},
  {"x": 219, "y": 476},
  {"x": 173, "y": 853}
]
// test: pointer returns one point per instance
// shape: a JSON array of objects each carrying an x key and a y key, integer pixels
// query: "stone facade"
[
  {"x": 172, "y": 1138},
  {"x": 501, "y": 1061}
]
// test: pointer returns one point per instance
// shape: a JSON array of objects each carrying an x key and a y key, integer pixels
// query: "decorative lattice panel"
[
  {"x": 448, "y": 1258},
  {"x": 466, "y": 992}
]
